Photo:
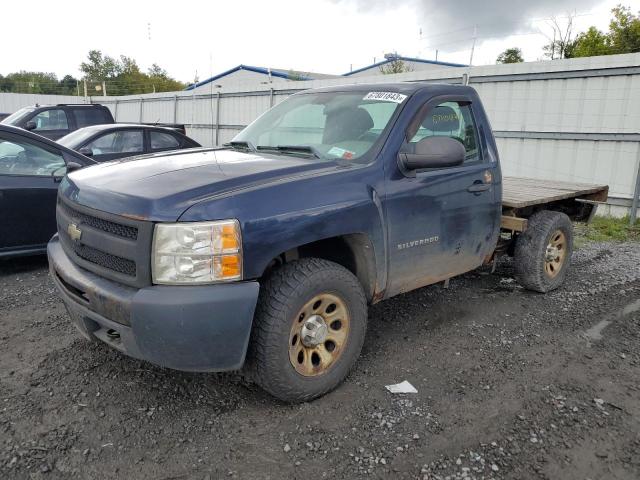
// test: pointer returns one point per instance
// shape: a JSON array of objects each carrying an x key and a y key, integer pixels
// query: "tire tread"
[{"x": 275, "y": 296}]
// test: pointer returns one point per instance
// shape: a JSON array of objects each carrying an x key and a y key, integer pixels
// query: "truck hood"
[{"x": 161, "y": 187}]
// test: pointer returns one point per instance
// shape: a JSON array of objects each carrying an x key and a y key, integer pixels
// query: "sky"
[{"x": 329, "y": 36}]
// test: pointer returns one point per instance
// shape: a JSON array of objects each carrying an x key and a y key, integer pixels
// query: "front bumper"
[{"x": 193, "y": 328}]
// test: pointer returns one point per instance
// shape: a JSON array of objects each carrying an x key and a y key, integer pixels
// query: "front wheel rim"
[
  {"x": 319, "y": 334},
  {"x": 556, "y": 253}
]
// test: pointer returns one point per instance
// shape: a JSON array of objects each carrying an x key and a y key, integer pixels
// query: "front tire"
[
  {"x": 543, "y": 252},
  {"x": 309, "y": 329}
]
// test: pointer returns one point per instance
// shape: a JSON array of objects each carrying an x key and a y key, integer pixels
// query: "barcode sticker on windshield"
[{"x": 385, "y": 96}]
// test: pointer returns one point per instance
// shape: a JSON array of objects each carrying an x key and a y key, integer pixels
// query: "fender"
[{"x": 326, "y": 206}]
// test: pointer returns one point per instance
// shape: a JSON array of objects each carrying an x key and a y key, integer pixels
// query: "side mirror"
[
  {"x": 30, "y": 125},
  {"x": 86, "y": 151},
  {"x": 59, "y": 173},
  {"x": 434, "y": 152},
  {"x": 73, "y": 166}
]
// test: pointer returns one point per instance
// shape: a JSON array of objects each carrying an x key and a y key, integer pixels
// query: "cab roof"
[{"x": 407, "y": 88}]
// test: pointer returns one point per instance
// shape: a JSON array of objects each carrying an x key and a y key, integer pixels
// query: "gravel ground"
[{"x": 511, "y": 384}]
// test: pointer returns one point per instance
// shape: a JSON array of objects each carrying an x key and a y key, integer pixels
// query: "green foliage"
[
  {"x": 121, "y": 77},
  {"x": 124, "y": 77},
  {"x": 99, "y": 67},
  {"x": 624, "y": 31},
  {"x": 608, "y": 229},
  {"x": 510, "y": 55},
  {"x": 395, "y": 66},
  {"x": 37, "y": 82},
  {"x": 161, "y": 81},
  {"x": 293, "y": 75},
  {"x": 623, "y": 36},
  {"x": 591, "y": 43}
]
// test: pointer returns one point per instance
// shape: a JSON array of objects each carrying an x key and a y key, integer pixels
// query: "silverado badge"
[{"x": 74, "y": 232}]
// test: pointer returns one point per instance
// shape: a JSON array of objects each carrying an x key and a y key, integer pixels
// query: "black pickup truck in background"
[{"x": 56, "y": 121}]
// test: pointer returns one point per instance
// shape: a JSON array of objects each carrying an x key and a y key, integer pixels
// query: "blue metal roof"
[
  {"x": 265, "y": 71},
  {"x": 406, "y": 59}
]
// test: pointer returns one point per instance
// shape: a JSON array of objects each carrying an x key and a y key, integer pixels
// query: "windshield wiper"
[
  {"x": 291, "y": 149},
  {"x": 243, "y": 146}
]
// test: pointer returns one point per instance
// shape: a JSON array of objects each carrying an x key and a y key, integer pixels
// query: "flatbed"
[
  {"x": 518, "y": 192},
  {"x": 521, "y": 197}
]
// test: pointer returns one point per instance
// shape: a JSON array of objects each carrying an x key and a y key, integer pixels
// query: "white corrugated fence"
[{"x": 575, "y": 120}]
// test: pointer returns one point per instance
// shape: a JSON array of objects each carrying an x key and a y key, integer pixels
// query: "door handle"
[{"x": 479, "y": 187}]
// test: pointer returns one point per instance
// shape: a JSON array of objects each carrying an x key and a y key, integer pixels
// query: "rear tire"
[
  {"x": 543, "y": 251},
  {"x": 309, "y": 329}
]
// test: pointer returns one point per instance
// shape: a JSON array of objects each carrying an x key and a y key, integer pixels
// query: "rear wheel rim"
[
  {"x": 319, "y": 334},
  {"x": 556, "y": 254}
]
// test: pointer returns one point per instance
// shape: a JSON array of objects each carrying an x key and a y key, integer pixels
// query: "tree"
[
  {"x": 510, "y": 55},
  {"x": 68, "y": 85},
  {"x": 156, "y": 71},
  {"x": 6, "y": 85},
  {"x": 161, "y": 81},
  {"x": 124, "y": 77},
  {"x": 31, "y": 82},
  {"x": 99, "y": 67},
  {"x": 395, "y": 66},
  {"x": 591, "y": 43},
  {"x": 624, "y": 31},
  {"x": 561, "y": 44},
  {"x": 623, "y": 37}
]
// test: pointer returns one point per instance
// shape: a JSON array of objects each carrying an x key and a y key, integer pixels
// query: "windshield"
[
  {"x": 77, "y": 138},
  {"x": 325, "y": 125},
  {"x": 15, "y": 118}
]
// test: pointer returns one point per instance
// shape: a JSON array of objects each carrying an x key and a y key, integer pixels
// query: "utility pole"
[
  {"x": 473, "y": 45},
  {"x": 85, "y": 88},
  {"x": 104, "y": 88},
  {"x": 78, "y": 87}
]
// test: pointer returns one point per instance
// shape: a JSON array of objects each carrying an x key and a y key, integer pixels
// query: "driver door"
[
  {"x": 29, "y": 177},
  {"x": 444, "y": 219}
]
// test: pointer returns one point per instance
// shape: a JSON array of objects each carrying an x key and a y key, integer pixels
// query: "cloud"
[{"x": 446, "y": 24}]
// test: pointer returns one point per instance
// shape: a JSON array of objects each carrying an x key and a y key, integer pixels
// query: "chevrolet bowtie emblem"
[{"x": 74, "y": 232}]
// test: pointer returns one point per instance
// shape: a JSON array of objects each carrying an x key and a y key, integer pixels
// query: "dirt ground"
[{"x": 511, "y": 384}]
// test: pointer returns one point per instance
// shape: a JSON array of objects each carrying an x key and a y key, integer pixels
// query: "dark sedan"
[
  {"x": 112, "y": 141},
  {"x": 31, "y": 168}
]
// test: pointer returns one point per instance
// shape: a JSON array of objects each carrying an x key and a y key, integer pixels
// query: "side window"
[
  {"x": 451, "y": 119},
  {"x": 162, "y": 140},
  {"x": 22, "y": 158},
  {"x": 125, "y": 141},
  {"x": 54, "y": 119},
  {"x": 90, "y": 116}
]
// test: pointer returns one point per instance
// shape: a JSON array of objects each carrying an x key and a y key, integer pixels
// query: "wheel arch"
[{"x": 354, "y": 251}]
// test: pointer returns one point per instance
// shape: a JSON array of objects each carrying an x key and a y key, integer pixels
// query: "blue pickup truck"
[{"x": 264, "y": 254}]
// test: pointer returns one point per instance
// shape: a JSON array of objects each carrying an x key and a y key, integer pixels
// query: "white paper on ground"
[{"x": 404, "y": 387}]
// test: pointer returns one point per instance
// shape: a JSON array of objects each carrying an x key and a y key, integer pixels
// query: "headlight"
[{"x": 202, "y": 252}]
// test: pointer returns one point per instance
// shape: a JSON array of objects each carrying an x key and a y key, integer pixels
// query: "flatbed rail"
[{"x": 520, "y": 192}]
